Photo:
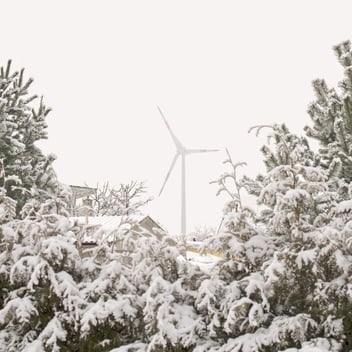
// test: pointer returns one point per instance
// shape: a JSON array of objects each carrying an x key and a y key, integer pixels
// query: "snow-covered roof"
[
  {"x": 99, "y": 225},
  {"x": 82, "y": 191},
  {"x": 106, "y": 223}
]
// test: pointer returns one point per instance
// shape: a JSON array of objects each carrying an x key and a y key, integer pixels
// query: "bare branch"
[{"x": 125, "y": 200}]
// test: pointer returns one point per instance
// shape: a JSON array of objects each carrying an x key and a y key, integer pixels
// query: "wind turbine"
[{"x": 181, "y": 151}]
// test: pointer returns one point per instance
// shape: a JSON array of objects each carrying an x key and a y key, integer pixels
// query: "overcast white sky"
[{"x": 214, "y": 67}]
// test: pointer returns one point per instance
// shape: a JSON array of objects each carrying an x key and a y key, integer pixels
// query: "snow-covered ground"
[{"x": 205, "y": 261}]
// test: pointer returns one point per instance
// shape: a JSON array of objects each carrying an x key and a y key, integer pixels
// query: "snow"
[
  {"x": 13, "y": 178},
  {"x": 274, "y": 270},
  {"x": 104, "y": 227},
  {"x": 53, "y": 333},
  {"x": 206, "y": 262},
  {"x": 344, "y": 206},
  {"x": 317, "y": 345},
  {"x": 106, "y": 223},
  {"x": 19, "y": 309},
  {"x": 133, "y": 347},
  {"x": 305, "y": 257},
  {"x": 35, "y": 346},
  {"x": 120, "y": 308}
]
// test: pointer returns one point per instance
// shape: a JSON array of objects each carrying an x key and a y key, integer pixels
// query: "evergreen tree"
[
  {"x": 238, "y": 224},
  {"x": 170, "y": 319},
  {"x": 331, "y": 114},
  {"x": 295, "y": 191},
  {"x": 113, "y": 311},
  {"x": 142, "y": 295},
  {"x": 22, "y": 124},
  {"x": 40, "y": 301},
  {"x": 233, "y": 301},
  {"x": 295, "y": 295}
]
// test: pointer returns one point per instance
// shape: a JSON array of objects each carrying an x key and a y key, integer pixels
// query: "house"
[
  {"x": 97, "y": 228},
  {"x": 82, "y": 200}
]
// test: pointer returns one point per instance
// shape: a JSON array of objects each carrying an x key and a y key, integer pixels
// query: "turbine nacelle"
[{"x": 194, "y": 151}]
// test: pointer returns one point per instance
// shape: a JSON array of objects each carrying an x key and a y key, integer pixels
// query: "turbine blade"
[
  {"x": 169, "y": 172},
  {"x": 193, "y": 151},
  {"x": 178, "y": 144}
]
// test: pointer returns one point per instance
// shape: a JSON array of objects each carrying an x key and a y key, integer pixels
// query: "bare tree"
[{"x": 125, "y": 200}]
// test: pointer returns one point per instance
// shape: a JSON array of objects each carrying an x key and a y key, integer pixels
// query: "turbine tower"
[{"x": 181, "y": 151}]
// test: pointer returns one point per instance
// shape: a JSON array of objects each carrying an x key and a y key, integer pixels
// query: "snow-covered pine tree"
[
  {"x": 237, "y": 227},
  {"x": 113, "y": 313},
  {"x": 294, "y": 191},
  {"x": 238, "y": 223},
  {"x": 298, "y": 297},
  {"x": 22, "y": 124},
  {"x": 170, "y": 319},
  {"x": 306, "y": 282},
  {"x": 7, "y": 213},
  {"x": 40, "y": 299},
  {"x": 331, "y": 114},
  {"x": 139, "y": 295},
  {"x": 232, "y": 301}
]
